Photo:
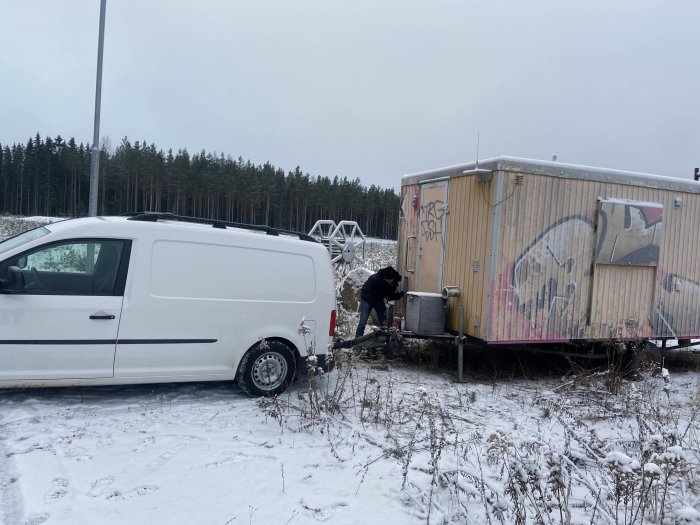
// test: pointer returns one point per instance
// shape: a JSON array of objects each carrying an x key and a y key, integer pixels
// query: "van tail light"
[{"x": 331, "y": 330}]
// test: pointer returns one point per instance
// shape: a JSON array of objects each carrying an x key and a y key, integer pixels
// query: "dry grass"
[
  {"x": 527, "y": 439},
  {"x": 510, "y": 451}
]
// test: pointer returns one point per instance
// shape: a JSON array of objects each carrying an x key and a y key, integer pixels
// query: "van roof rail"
[{"x": 154, "y": 216}]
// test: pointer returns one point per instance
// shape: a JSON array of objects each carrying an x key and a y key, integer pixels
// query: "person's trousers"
[{"x": 365, "y": 309}]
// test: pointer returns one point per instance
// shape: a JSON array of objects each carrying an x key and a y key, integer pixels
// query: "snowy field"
[{"x": 372, "y": 442}]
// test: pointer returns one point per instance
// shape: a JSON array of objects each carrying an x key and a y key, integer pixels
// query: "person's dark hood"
[{"x": 389, "y": 273}]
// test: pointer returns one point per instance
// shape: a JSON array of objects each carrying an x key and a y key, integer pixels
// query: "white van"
[{"x": 161, "y": 298}]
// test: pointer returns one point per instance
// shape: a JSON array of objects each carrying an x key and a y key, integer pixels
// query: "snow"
[
  {"x": 424, "y": 175},
  {"x": 619, "y": 461},
  {"x": 206, "y": 453},
  {"x": 652, "y": 469},
  {"x": 374, "y": 241},
  {"x": 375, "y": 441},
  {"x": 687, "y": 515},
  {"x": 179, "y": 454}
]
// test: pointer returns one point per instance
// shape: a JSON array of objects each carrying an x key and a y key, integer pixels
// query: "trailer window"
[{"x": 629, "y": 232}]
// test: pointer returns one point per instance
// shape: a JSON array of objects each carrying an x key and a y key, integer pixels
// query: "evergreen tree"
[{"x": 51, "y": 177}]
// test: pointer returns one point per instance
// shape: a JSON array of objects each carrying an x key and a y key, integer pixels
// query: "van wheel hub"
[{"x": 269, "y": 371}]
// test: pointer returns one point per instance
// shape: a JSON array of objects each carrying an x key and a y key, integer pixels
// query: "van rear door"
[{"x": 62, "y": 323}]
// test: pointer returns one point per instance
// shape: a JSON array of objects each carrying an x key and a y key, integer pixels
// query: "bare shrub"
[{"x": 597, "y": 449}]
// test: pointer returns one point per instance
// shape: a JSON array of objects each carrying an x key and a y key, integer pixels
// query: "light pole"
[{"x": 95, "y": 159}]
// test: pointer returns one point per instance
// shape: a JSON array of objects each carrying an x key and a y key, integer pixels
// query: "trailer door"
[
  {"x": 430, "y": 254},
  {"x": 624, "y": 273}
]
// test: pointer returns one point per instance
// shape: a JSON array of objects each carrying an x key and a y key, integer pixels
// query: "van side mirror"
[{"x": 13, "y": 281}]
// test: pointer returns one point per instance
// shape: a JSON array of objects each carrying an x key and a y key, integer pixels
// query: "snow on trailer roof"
[{"x": 556, "y": 169}]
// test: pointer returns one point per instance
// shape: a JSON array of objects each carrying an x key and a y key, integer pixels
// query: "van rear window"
[{"x": 206, "y": 271}]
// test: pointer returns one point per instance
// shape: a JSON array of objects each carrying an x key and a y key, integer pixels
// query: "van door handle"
[{"x": 101, "y": 315}]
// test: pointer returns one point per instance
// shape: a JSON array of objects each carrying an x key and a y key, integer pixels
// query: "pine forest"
[{"x": 51, "y": 177}]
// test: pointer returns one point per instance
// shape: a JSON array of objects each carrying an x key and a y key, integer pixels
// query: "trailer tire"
[{"x": 267, "y": 369}]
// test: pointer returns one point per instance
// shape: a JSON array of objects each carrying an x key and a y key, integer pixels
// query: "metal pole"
[{"x": 95, "y": 159}]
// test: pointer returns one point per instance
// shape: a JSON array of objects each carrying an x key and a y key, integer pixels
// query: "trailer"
[{"x": 535, "y": 253}]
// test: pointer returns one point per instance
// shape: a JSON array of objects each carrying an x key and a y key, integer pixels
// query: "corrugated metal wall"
[
  {"x": 466, "y": 259},
  {"x": 431, "y": 237},
  {"x": 408, "y": 234},
  {"x": 622, "y": 301},
  {"x": 546, "y": 286},
  {"x": 677, "y": 298}
]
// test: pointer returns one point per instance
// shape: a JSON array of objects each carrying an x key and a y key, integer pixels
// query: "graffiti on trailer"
[
  {"x": 552, "y": 275},
  {"x": 551, "y": 279},
  {"x": 676, "y": 309},
  {"x": 628, "y": 233},
  {"x": 431, "y": 215}
]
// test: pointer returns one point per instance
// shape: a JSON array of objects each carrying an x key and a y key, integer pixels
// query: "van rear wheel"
[{"x": 267, "y": 369}]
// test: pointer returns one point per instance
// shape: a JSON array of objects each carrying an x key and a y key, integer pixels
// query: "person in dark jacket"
[{"x": 380, "y": 286}]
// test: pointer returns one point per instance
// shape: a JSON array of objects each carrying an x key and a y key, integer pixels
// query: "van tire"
[{"x": 267, "y": 369}]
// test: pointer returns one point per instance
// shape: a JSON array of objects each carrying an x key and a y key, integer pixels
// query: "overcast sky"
[{"x": 364, "y": 88}]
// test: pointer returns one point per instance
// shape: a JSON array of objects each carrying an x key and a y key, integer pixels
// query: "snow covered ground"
[
  {"x": 374, "y": 441},
  {"x": 403, "y": 445}
]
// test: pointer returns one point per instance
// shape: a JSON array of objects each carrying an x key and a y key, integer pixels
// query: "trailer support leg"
[{"x": 460, "y": 349}]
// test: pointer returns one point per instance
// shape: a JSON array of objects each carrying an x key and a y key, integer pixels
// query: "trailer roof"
[{"x": 556, "y": 169}]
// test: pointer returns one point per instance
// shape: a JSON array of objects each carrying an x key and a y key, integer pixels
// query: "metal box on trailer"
[
  {"x": 549, "y": 252},
  {"x": 425, "y": 313}
]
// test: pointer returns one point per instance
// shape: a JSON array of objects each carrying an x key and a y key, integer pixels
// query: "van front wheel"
[{"x": 267, "y": 369}]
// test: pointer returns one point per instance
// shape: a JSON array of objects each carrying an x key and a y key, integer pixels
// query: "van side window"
[{"x": 79, "y": 267}]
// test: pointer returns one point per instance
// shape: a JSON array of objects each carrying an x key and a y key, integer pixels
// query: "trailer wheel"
[
  {"x": 267, "y": 369},
  {"x": 642, "y": 359}
]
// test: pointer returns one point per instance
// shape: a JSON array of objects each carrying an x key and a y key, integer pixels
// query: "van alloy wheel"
[{"x": 267, "y": 369}]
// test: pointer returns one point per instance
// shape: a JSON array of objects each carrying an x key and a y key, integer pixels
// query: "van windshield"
[{"x": 22, "y": 238}]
